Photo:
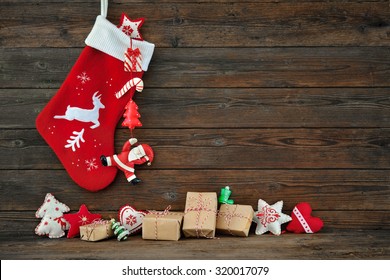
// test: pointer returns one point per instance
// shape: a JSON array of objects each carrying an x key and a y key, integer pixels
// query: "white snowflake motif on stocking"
[
  {"x": 91, "y": 164},
  {"x": 83, "y": 77}
]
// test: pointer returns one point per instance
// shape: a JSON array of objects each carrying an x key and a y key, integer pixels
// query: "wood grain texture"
[
  {"x": 334, "y": 222},
  {"x": 210, "y": 24},
  {"x": 228, "y": 108},
  {"x": 325, "y": 190},
  {"x": 281, "y": 100},
  {"x": 354, "y": 245},
  {"x": 225, "y": 148},
  {"x": 216, "y": 67}
]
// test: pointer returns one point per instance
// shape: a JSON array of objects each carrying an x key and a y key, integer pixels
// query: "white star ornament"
[{"x": 270, "y": 217}]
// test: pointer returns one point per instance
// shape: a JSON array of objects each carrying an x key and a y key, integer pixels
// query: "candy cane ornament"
[{"x": 134, "y": 82}]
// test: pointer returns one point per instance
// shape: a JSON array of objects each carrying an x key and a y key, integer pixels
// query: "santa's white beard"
[{"x": 134, "y": 154}]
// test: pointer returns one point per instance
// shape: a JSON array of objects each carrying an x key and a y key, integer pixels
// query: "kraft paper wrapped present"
[
  {"x": 162, "y": 225},
  {"x": 234, "y": 219},
  {"x": 98, "y": 230},
  {"x": 200, "y": 214}
]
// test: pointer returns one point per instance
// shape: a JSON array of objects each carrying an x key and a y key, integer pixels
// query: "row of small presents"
[{"x": 200, "y": 219}]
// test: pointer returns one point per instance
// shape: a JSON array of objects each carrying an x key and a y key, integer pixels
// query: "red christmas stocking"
[{"x": 79, "y": 121}]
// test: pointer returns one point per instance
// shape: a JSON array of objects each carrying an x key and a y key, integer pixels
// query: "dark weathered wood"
[
  {"x": 325, "y": 190},
  {"x": 366, "y": 244},
  {"x": 225, "y": 148},
  {"x": 278, "y": 99},
  {"x": 181, "y": 1},
  {"x": 24, "y": 223},
  {"x": 228, "y": 108},
  {"x": 266, "y": 148},
  {"x": 20, "y": 107},
  {"x": 216, "y": 67},
  {"x": 232, "y": 24}
]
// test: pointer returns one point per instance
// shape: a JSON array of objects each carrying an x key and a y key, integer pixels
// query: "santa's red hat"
[{"x": 147, "y": 150}]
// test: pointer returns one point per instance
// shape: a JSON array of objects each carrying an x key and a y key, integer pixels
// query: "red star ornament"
[
  {"x": 270, "y": 217},
  {"x": 81, "y": 218},
  {"x": 131, "y": 27}
]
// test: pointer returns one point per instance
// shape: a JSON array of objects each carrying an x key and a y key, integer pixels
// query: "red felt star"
[
  {"x": 83, "y": 217},
  {"x": 131, "y": 27}
]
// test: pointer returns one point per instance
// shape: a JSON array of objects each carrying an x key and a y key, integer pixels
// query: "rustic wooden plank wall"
[{"x": 279, "y": 99}]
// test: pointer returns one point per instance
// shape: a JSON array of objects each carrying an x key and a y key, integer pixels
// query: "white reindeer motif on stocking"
[{"x": 85, "y": 115}]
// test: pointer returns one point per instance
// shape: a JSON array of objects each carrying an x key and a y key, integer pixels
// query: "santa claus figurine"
[{"x": 129, "y": 157}]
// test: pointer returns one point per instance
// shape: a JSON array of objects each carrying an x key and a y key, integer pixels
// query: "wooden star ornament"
[
  {"x": 81, "y": 218},
  {"x": 270, "y": 217},
  {"x": 131, "y": 27}
]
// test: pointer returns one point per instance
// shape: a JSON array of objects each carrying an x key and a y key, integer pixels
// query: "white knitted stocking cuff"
[{"x": 108, "y": 38}]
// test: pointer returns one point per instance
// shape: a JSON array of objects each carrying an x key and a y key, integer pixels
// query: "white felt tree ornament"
[{"x": 52, "y": 224}]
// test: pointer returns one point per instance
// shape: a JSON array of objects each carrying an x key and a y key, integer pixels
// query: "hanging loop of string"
[{"x": 103, "y": 7}]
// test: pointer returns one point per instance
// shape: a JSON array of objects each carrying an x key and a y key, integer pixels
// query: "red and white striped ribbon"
[{"x": 302, "y": 220}]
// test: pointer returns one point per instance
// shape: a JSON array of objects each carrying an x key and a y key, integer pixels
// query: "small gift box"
[
  {"x": 235, "y": 219},
  {"x": 96, "y": 231},
  {"x": 200, "y": 214},
  {"x": 162, "y": 225}
]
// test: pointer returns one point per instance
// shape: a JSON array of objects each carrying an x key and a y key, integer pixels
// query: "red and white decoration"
[
  {"x": 131, "y": 27},
  {"x": 53, "y": 223},
  {"x": 131, "y": 218},
  {"x": 302, "y": 221},
  {"x": 131, "y": 116},
  {"x": 133, "y": 60},
  {"x": 80, "y": 120},
  {"x": 81, "y": 218},
  {"x": 129, "y": 157},
  {"x": 270, "y": 217},
  {"x": 137, "y": 83}
]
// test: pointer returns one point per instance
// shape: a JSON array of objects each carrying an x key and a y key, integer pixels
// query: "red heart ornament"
[
  {"x": 131, "y": 218},
  {"x": 302, "y": 221}
]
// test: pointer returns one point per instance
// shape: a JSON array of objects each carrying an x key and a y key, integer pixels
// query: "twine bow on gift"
[
  {"x": 228, "y": 217},
  {"x": 201, "y": 206},
  {"x": 92, "y": 226},
  {"x": 159, "y": 215}
]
